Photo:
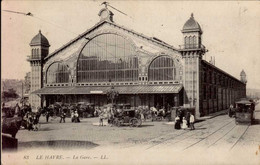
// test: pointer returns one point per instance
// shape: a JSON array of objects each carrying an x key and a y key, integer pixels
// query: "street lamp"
[
  {"x": 112, "y": 94},
  {"x": 190, "y": 99}
]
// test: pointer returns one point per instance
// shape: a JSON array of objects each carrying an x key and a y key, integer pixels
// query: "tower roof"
[
  {"x": 39, "y": 39},
  {"x": 191, "y": 25}
]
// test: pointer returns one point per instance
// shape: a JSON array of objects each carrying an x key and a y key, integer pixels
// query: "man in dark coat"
[
  {"x": 63, "y": 115},
  {"x": 47, "y": 114}
]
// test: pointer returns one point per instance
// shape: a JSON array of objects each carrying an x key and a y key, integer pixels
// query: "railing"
[
  {"x": 192, "y": 46},
  {"x": 33, "y": 57}
]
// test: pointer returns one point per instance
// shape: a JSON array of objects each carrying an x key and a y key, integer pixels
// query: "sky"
[{"x": 231, "y": 30}]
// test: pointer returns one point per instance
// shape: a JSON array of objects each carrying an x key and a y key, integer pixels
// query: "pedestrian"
[
  {"x": 188, "y": 119},
  {"x": 177, "y": 124},
  {"x": 35, "y": 123},
  {"x": 47, "y": 115},
  {"x": 230, "y": 111},
  {"x": 62, "y": 116},
  {"x": 192, "y": 120},
  {"x": 184, "y": 123},
  {"x": 17, "y": 110},
  {"x": 142, "y": 116},
  {"x": 76, "y": 116},
  {"x": 96, "y": 112},
  {"x": 72, "y": 116},
  {"x": 30, "y": 122}
]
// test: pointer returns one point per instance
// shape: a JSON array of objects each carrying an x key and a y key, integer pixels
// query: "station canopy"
[{"x": 148, "y": 89}]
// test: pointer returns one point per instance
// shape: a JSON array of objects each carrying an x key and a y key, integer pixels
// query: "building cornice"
[{"x": 220, "y": 70}]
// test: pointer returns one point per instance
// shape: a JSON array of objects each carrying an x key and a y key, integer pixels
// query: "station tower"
[
  {"x": 192, "y": 51},
  {"x": 39, "y": 50}
]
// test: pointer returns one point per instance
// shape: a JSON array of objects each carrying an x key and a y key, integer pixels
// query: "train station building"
[{"x": 145, "y": 71}]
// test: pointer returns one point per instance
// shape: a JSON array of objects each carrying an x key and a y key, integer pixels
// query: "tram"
[{"x": 244, "y": 112}]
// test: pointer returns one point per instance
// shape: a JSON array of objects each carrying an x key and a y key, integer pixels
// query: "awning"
[{"x": 143, "y": 89}]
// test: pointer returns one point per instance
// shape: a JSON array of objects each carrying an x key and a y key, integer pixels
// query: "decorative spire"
[
  {"x": 40, "y": 31},
  {"x": 191, "y": 15},
  {"x": 243, "y": 76},
  {"x": 105, "y": 13},
  {"x": 105, "y": 3}
]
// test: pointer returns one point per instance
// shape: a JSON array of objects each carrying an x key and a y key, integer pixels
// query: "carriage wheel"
[
  {"x": 119, "y": 123},
  {"x": 134, "y": 122},
  {"x": 139, "y": 122},
  {"x": 115, "y": 122}
]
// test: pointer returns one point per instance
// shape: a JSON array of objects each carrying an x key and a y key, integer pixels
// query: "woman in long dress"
[
  {"x": 177, "y": 123},
  {"x": 184, "y": 123}
]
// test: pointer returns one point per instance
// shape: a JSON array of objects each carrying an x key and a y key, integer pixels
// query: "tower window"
[
  {"x": 186, "y": 42},
  {"x": 190, "y": 42},
  {"x": 194, "y": 42}
]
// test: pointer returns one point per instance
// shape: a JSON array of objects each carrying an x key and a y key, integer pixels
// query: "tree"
[
  {"x": 112, "y": 95},
  {"x": 11, "y": 93}
]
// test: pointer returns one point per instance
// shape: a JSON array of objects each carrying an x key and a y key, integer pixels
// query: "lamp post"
[
  {"x": 190, "y": 99},
  {"x": 22, "y": 96},
  {"x": 112, "y": 94},
  {"x": 194, "y": 102},
  {"x": 176, "y": 101}
]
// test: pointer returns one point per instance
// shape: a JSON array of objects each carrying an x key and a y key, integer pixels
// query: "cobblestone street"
[{"x": 219, "y": 132}]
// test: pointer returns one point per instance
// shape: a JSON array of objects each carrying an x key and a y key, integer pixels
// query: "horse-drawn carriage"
[
  {"x": 85, "y": 109},
  {"x": 53, "y": 109},
  {"x": 127, "y": 117}
]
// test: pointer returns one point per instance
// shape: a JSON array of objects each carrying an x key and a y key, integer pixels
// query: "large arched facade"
[{"x": 107, "y": 57}]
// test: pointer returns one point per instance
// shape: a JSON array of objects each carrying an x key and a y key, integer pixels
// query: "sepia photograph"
[{"x": 130, "y": 82}]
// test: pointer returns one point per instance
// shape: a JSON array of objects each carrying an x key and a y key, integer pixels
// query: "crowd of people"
[
  {"x": 142, "y": 112},
  {"x": 31, "y": 119}
]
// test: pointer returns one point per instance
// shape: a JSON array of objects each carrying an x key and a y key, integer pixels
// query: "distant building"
[
  {"x": 27, "y": 85},
  {"x": 146, "y": 71}
]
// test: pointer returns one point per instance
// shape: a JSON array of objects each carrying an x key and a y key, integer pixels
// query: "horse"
[
  {"x": 11, "y": 125},
  {"x": 154, "y": 111}
]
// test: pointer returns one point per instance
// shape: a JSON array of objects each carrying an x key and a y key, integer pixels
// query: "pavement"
[{"x": 212, "y": 115}]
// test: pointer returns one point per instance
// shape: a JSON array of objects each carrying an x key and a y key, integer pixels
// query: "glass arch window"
[
  {"x": 57, "y": 73},
  {"x": 107, "y": 57},
  {"x": 162, "y": 68}
]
